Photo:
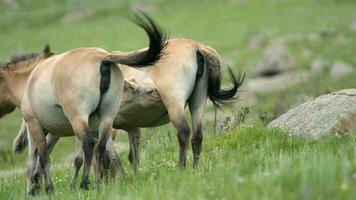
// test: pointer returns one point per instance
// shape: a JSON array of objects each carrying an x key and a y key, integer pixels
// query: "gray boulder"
[
  {"x": 333, "y": 113},
  {"x": 275, "y": 60}
]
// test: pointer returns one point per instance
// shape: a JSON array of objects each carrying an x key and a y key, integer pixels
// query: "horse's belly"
[
  {"x": 147, "y": 111},
  {"x": 55, "y": 122}
]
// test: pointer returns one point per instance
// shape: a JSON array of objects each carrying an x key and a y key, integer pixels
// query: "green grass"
[
  {"x": 246, "y": 163},
  {"x": 241, "y": 164}
]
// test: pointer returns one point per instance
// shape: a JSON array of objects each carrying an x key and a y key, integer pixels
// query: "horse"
[
  {"x": 192, "y": 75},
  {"x": 82, "y": 97}
]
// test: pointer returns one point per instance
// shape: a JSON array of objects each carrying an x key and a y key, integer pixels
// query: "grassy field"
[{"x": 247, "y": 161}]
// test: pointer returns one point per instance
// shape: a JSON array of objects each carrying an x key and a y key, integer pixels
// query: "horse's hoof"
[
  {"x": 34, "y": 189},
  {"x": 72, "y": 186},
  {"x": 49, "y": 189},
  {"x": 84, "y": 186}
]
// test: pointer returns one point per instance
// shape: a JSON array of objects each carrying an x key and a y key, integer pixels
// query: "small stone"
[
  {"x": 313, "y": 37},
  {"x": 340, "y": 69},
  {"x": 256, "y": 41},
  {"x": 353, "y": 25},
  {"x": 74, "y": 16},
  {"x": 276, "y": 59},
  {"x": 317, "y": 64}
]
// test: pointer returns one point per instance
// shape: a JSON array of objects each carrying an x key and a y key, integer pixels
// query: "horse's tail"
[
  {"x": 20, "y": 142},
  {"x": 209, "y": 58},
  {"x": 144, "y": 57}
]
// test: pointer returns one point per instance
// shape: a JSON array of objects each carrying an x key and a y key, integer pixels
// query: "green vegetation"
[{"x": 247, "y": 162}]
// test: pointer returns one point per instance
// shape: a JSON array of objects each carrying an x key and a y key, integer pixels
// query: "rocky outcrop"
[{"x": 333, "y": 113}]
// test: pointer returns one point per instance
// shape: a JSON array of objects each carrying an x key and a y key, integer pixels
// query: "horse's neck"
[{"x": 16, "y": 84}]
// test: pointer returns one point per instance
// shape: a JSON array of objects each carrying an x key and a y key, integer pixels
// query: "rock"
[
  {"x": 340, "y": 69},
  {"x": 145, "y": 7},
  {"x": 74, "y": 16},
  {"x": 317, "y": 64},
  {"x": 342, "y": 41},
  {"x": 327, "y": 32},
  {"x": 333, "y": 113},
  {"x": 277, "y": 82},
  {"x": 307, "y": 53},
  {"x": 353, "y": 25},
  {"x": 275, "y": 60},
  {"x": 313, "y": 37},
  {"x": 10, "y": 3},
  {"x": 256, "y": 41}
]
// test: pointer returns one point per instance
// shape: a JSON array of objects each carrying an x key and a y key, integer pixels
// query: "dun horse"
[
  {"x": 191, "y": 75},
  {"x": 74, "y": 93}
]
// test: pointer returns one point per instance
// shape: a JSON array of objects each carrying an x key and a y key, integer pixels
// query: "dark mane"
[
  {"x": 15, "y": 59},
  {"x": 18, "y": 58}
]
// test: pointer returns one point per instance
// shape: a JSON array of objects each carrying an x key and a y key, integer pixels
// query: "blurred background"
[{"x": 291, "y": 50}]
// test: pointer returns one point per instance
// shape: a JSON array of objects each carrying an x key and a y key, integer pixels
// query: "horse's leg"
[
  {"x": 115, "y": 161},
  {"x": 176, "y": 115},
  {"x": 80, "y": 125},
  {"x": 32, "y": 179},
  {"x": 134, "y": 140},
  {"x": 78, "y": 161},
  {"x": 39, "y": 137},
  {"x": 51, "y": 142},
  {"x": 197, "y": 112},
  {"x": 196, "y": 104},
  {"x": 100, "y": 150},
  {"x": 108, "y": 109},
  {"x": 81, "y": 129}
]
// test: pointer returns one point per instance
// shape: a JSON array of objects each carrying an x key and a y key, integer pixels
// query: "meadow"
[{"x": 245, "y": 160}]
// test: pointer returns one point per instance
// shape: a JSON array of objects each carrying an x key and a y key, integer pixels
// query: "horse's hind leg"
[
  {"x": 51, "y": 142},
  {"x": 81, "y": 129},
  {"x": 176, "y": 115},
  {"x": 78, "y": 162},
  {"x": 134, "y": 140},
  {"x": 38, "y": 136},
  {"x": 32, "y": 178},
  {"x": 197, "y": 112},
  {"x": 107, "y": 115}
]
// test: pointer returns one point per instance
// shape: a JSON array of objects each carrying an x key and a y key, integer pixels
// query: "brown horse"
[
  {"x": 77, "y": 93},
  {"x": 191, "y": 75}
]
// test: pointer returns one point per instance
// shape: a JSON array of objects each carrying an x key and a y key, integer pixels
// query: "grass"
[{"x": 249, "y": 162}]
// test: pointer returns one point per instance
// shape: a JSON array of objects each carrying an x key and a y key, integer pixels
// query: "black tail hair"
[
  {"x": 155, "y": 51},
  {"x": 21, "y": 141},
  {"x": 105, "y": 76},
  {"x": 216, "y": 94},
  {"x": 157, "y": 38}
]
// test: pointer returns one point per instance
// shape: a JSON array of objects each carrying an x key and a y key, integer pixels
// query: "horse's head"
[{"x": 13, "y": 77}]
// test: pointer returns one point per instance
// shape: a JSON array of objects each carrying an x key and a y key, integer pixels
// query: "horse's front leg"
[{"x": 39, "y": 137}]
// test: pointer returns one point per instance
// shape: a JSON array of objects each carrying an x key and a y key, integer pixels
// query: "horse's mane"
[{"x": 15, "y": 59}]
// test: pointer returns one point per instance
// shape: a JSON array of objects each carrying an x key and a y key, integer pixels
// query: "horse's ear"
[{"x": 46, "y": 49}]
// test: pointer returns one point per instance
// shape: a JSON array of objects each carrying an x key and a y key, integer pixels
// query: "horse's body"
[
  {"x": 77, "y": 93},
  {"x": 191, "y": 75}
]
